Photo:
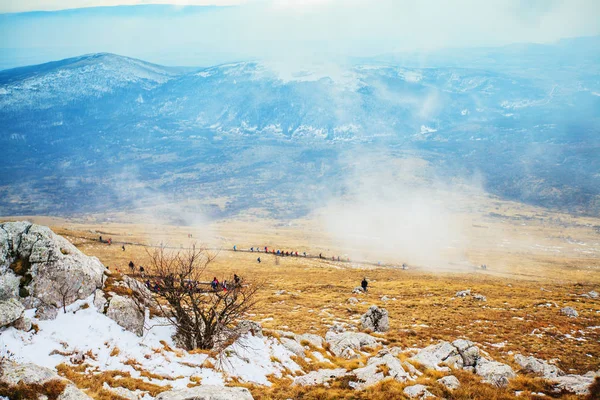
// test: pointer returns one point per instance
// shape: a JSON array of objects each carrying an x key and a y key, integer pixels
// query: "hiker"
[
  {"x": 215, "y": 283},
  {"x": 100, "y": 239},
  {"x": 132, "y": 266},
  {"x": 236, "y": 280},
  {"x": 266, "y": 249},
  {"x": 252, "y": 249},
  {"x": 304, "y": 254},
  {"x": 338, "y": 258},
  {"x": 123, "y": 247},
  {"x": 224, "y": 285},
  {"x": 364, "y": 284},
  {"x": 141, "y": 271},
  {"x": 109, "y": 241},
  {"x": 234, "y": 247},
  {"x": 320, "y": 255},
  {"x": 277, "y": 252},
  {"x": 258, "y": 259},
  {"x": 404, "y": 266},
  {"x": 296, "y": 254}
]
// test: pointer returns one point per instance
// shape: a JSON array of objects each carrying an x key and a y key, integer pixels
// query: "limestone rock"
[
  {"x": 23, "y": 324},
  {"x": 494, "y": 372},
  {"x": 12, "y": 373},
  {"x": 432, "y": 356},
  {"x": 370, "y": 374},
  {"x": 538, "y": 367},
  {"x": 311, "y": 338},
  {"x": 247, "y": 326},
  {"x": 376, "y": 319},
  {"x": 142, "y": 293},
  {"x": 347, "y": 344},
  {"x": 293, "y": 346},
  {"x": 10, "y": 311},
  {"x": 569, "y": 312},
  {"x": 417, "y": 391},
  {"x": 358, "y": 290},
  {"x": 319, "y": 377},
  {"x": 207, "y": 392},
  {"x": 578, "y": 384},
  {"x": 463, "y": 293},
  {"x": 451, "y": 382},
  {"x": 479, "y": 297},
  {"x": 125, "y": 312},
  {"x": 100, "y": 301},
  {"x": 46, "y": 312},
  {"x": 469, "y": 353},
  {"x": 353, "y": 300},
  {"x": 9, "y": 285},
  {"x": 49, "y": 263}
]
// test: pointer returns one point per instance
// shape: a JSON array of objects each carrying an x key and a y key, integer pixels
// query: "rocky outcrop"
[
  {"x": 293, "y": 346},
  {"x": 577, "y": 384},
  {"x": 30, "y": 374},
  {"x": 469, "y": 354},
  {"x": 459, "y": 354},
  {"x": 49, "y": 269},
  {"x": 432, "y": 356},
  {"x": 494, "y": 372},
  {"x": 247, "y": 326},
  {"x": 348, "y": 344},
  {"x": 373, "y": 371},
  {"x": 207, "y": 392},
  {"x": 310, "y": 338},
  {"x": 538, "y": 367},
  {"x": 464, "y": 354},
  {"x": 10, "y": 311},
  {"x": 376, "y": 319},
  {"x": 125, "y": 312},
  {"x": 319, "y": 377},
  {"x": 450, "y": 382},
  {"x": 417, "y": 392}
]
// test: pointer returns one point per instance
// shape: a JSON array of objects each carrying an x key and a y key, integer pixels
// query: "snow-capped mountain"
[{"x": 252, "y": 131}]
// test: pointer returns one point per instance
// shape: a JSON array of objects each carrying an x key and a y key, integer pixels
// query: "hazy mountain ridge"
[{"x": 255, "y": 134}]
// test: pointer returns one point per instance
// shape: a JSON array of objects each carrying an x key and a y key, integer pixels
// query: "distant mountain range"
[{"x": 103, "y": 131}]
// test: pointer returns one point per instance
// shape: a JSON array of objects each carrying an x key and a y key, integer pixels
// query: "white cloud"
[
  {"x": 10, "y": 6},
  {"x": 292, "y": 30}
]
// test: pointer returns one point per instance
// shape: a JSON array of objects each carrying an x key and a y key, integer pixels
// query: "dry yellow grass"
[{"x": 535, "y": 270}]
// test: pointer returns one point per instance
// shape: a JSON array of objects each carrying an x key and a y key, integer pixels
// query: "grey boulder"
[
  {"x": 125, "y": 312},
  {"x": 376, "y": 319},
  {"x": 10, "y": 311}
]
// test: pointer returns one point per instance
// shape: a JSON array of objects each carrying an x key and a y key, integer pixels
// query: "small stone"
[
  {"x": 417, "y": 391},
  {"x": 450, "y": 381},
  {"x": 569, "y": 312}
]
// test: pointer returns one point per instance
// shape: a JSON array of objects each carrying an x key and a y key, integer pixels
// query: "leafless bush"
[{"x": 201, "y": 314}]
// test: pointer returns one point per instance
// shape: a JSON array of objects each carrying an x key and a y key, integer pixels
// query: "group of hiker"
[
  {"x": 286, "y": 253},
  {"x": 107, "y": 241},
  {"x": 168, "y": 283},
  {"x": 132, "y": 268}
]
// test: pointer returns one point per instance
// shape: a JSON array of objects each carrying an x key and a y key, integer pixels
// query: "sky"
[{"x": 281, "y": 30}]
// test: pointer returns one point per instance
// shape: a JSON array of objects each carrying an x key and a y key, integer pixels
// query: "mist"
[
  {"x": 399, "y": 210},
  {"x": 290, "y": 32}
]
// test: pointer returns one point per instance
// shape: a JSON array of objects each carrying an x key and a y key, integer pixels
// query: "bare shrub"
[{"x": 202, "y": 315}]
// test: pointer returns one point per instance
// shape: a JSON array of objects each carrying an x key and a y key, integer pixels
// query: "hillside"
[{"x": 79, "y": 133}]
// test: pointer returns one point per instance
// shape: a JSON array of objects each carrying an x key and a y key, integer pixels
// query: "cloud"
[
  {"x": 11, "y": 6},
  {"x": 291, "y": 30}
]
